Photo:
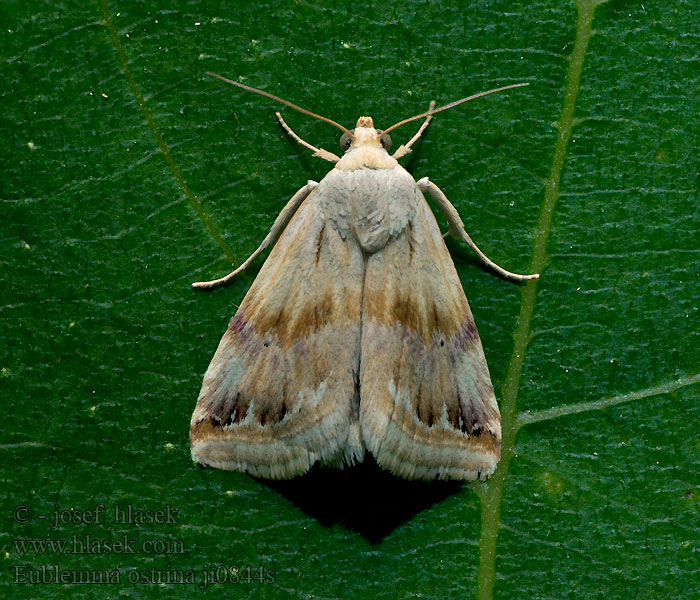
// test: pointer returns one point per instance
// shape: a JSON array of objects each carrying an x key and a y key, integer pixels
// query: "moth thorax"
[{"x": 365, "y": 122}]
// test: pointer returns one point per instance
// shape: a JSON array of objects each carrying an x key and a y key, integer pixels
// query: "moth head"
[{"x": 365, "y": 135}]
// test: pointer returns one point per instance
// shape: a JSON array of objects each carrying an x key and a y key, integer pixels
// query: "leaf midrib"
[{"x": 492, "y": 492}]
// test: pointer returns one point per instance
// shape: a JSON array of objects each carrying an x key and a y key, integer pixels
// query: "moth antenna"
[
  {"x": 285, "y": 102},
  {"x": 404, "y": 149},
  {"x": 452, "y": 104}
]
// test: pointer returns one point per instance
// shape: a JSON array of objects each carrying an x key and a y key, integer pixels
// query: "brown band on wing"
[
  {"x": 297, "y": 320},
  {"x": 311, "y": 303},
  {"x": 407, "y": 309},
  {"x": 398, "y": 301}
]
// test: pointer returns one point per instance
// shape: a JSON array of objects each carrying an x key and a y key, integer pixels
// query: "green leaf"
[{"x": 127, "y": 174}]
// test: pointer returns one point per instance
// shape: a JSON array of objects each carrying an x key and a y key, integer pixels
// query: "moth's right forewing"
[{"x": 427, "y": 405}]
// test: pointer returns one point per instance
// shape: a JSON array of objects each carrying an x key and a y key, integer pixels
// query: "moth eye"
[
  {"x": 345, "y": 141},
  {"x": 385, "y": 141}
]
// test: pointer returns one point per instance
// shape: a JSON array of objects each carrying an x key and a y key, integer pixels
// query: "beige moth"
[{"x": 356, "y": 335}]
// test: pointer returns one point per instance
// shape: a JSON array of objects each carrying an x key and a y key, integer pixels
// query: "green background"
[{"x": 127, "y": 174}]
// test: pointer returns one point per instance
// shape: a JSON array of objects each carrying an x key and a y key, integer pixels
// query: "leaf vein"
[
  {"x": 492, "y": 492},
  {"x": 192, "y": 199},
  {"x": 527, "y": 418}
]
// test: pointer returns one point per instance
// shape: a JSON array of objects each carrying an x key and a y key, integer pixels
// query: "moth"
[{"x": 356, "y": 335}]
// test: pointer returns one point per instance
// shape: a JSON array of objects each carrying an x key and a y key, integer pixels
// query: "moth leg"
[
  {"x": 404, "y": 149},
  {"x": 277, "y": 228},
  {"x": 320, "y": 152},
  {"x": 457, "y": 229}
]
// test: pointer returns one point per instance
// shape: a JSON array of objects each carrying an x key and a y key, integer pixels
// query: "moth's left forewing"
[
  {"x": 281, "y": 391},
  {"x": 427, "y": 407}
]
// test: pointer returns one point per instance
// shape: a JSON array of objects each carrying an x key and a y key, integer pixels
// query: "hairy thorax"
[{"x": 371, "y": 205}]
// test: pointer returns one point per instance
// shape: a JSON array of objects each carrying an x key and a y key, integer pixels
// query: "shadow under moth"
[{"x": 356, "y": 335}]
